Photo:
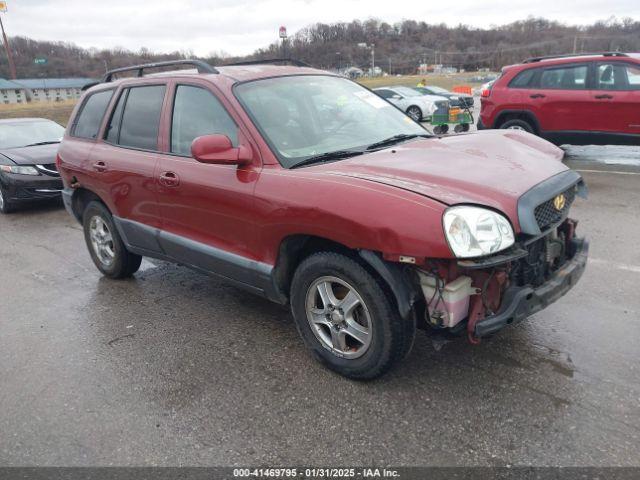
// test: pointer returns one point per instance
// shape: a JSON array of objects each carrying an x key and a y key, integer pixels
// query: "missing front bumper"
[{"x": 520, "y": 302}]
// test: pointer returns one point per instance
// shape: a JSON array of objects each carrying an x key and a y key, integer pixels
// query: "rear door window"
[
  {"x": 136, "y": 119},
  {"x": 565, "y": 78},
  {"x": 198, "y": 112},
  {"x": 88, "y": 121},
  {"x": 385, "y": 93}
]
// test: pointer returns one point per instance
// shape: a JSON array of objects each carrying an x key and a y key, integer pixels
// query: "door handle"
[
  {"x": 605, "y": 96},
  {"x": 169, "y": 179},
  {"x": 537, "y": 95},
  {"x": 100, "y": 167}
]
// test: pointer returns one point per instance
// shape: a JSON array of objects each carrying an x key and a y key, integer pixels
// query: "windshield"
[
  {"x": 408, "y": 92},
  {"x": 435, "y": 89},
  {"x": 309, "y": 115},
  {"x": 21, "y": 134}
]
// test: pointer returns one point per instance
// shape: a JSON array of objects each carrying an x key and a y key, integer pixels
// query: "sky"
[{"x": 239, "y": 27}]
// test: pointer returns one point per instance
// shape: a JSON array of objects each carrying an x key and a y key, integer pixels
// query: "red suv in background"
[
  {"x": 577, "y": 99},
  {"x": 310, "y": 190}
]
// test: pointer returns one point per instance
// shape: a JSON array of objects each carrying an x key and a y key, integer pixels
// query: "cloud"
[{"x": 241, "y": 26}]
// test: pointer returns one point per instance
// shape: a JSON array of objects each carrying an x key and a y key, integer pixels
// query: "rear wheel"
[
  {"x": 415, "y": 113},
  {"x": 517, "y": 124},
  {"x": 346, "y": 318},
  {"x": 107, "y": 249},
  {"x": 5, "y": 205}
]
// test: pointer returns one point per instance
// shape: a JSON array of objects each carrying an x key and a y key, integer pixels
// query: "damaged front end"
[{"x": 486, "y": 294}]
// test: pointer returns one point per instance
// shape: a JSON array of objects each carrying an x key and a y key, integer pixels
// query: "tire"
[
  {"x": 517, "y": 124},
  {"x": 106, "y": 248},
  {"x": 415, "y": 113},
  {"x": 326, "y": 330},
  {"x": 5, "y": 205}
]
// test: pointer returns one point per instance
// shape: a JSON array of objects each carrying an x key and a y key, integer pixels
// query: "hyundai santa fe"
[{"x": 310, "y": 190}]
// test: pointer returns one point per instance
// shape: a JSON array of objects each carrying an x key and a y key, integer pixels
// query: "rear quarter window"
[
  {"x": 524, "y": 79},
  {"x": 88, "y": 121}
]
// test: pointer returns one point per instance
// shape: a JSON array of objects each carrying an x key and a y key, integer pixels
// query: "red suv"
[
  {"x": 577, "y": 99},
  {"x": 310, "y": 190}
]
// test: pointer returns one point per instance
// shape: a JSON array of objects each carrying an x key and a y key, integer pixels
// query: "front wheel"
[
  {"x": 415, "y": 113},
  {"x": 107, "y": 249},
  {"x": 5, "y": 205},
  {"x": 346, "y": 318}
]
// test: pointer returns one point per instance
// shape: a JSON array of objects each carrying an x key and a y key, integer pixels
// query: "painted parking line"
[{"x": 617, "y": 265}]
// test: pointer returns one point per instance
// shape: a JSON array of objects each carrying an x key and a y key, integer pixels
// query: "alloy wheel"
[
  {"x": 414, "y": 113},
  {"x": 339, "y": 317},
  {"x": 101, "y": 240}
]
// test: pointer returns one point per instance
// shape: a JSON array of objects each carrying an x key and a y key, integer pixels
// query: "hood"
[
  {"x": 434, "y": 98},
  {"x": 36, "y": 155},
  {"x": 492, "y": 168}
]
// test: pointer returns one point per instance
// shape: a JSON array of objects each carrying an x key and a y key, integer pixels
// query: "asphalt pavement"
[{"x": 175, "y": 368}]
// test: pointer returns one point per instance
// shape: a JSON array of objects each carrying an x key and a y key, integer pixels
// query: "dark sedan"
[
  {"x": 28, "y": 173},
  {"x": 455, "y": 99}
]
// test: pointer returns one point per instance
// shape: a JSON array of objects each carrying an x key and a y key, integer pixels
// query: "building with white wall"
[
  {"x": 53, "y": 89},
  {"x": 12, "y": 92}
]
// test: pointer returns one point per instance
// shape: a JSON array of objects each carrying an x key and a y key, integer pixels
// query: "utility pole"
[
  {"x": 575, "y": 43},
  {"x": 12, "y": 66},
  {"x": 373, "y": 58}
]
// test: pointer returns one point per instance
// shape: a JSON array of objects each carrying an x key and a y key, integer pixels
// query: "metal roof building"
[
  {"x": 53, "y": 89},
  {"x": 11, "y": 92}
]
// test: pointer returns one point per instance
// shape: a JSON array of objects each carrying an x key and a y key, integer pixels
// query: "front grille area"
[{"x": 547, "y": 214}]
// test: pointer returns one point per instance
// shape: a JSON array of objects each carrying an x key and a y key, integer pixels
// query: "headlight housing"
[
  {"x": 475, "y": 231},
  {"x": 430, "y": 108},
  {"x": 19, "y": 169}
]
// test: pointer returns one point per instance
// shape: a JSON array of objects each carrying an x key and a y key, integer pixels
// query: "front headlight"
[
  {"x": 431, "y": 107},
  {"x": 475, "y": 231},
  {"x": 20, "y": 169}
]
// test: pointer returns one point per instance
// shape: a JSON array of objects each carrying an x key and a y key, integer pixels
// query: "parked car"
[
  {"x": 578, "y": 99},
  {"x": 28, "y": 172},
  {"x": 455, "y": 99},
  {"x": 307, "y": 189},
  {"x": 417, "y": 105}
]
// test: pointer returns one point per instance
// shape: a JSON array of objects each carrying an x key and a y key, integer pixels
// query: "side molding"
[{"x": 241, "y": 271}]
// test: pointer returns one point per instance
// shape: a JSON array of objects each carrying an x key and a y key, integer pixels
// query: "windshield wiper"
[
  {"x": 42, "y": 143},
  {"x": 325, "y": 157},
  {"x": 396, "y": 139}
]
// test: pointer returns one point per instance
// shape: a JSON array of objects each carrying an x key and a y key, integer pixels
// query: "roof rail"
[
  {"x": 569, "y": 55},
  {"x": 202, "y": 67},
  {"x": 89, "y": 85},
  {"x": 297, "y": 63}
]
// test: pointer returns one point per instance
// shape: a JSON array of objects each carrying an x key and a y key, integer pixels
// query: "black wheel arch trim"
[
  {"x": 405, "y": 293},
  {"x": 528, "y": 113}
]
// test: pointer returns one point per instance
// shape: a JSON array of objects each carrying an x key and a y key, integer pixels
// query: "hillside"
[{"x": 399, "y": 47}]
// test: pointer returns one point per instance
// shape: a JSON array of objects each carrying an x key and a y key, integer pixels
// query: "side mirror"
[{"x": 218, "y": 149}]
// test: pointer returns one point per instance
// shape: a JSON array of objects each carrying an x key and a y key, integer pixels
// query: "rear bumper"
[
  {"x": 520, "y": 302},
  {"x": 26, "y": 188}
]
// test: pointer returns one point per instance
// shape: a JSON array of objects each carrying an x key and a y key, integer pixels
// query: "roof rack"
[
  {"x": 297, "y": 63},
  {"x": 202, "y": 67},
  {"x": 569, "y": 55}
]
